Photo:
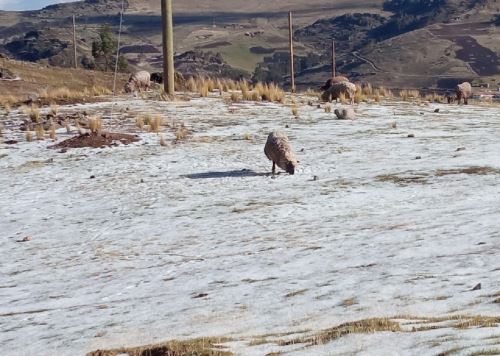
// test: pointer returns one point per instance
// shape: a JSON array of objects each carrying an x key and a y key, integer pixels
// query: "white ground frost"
[{"x": 196, "y": 239}]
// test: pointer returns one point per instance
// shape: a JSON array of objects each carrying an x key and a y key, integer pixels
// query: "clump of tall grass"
[
  {"x": 270, "y": 92},
  {"x": 155, "y": 123},
  {"x": 181, "y": 132},
  {"x": 162, "y": 141},
  {"x": 28, "y": 136},
  {"x": 95, "y": 125},
  {"x": 39, "y": 132},
  {"x": 409, "y": 94},
  {"x": 1, "y": 130},
  {"x": 52, "y": 132},
  {"x": 235, "y": 97},
  {"x": 139, "y": 122},
  {"x": 54, "y": 109},
  {"x": 328, "y": 109}
]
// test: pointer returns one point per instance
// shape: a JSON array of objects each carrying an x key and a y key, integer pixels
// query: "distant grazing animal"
[
  {"x": 463, "y": 91},
  {"x": 337, "y": 89},
  {"x": 138, "y": 81},
  {"x": 334, "y": 80},
  {"x": 279, "y": 151},
  {"x": 345, "y": 114}
]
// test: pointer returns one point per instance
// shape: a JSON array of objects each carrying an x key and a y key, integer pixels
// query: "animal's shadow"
[{"x": 242, "y": 173}]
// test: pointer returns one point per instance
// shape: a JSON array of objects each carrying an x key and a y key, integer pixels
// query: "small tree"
[{"x": 104, "y": 51}]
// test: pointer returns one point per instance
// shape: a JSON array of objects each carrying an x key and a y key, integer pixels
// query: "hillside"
[{"x": 397, "y": 43}]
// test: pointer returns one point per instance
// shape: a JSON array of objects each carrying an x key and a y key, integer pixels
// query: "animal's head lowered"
[
  {"x": 290, "y": 167},
  {"x": 129, "y": 87}
]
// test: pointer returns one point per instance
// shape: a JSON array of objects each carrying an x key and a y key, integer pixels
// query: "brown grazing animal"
[
  {"x": 337, "y": 89},
  {"x": 463, "y": 91},
  {"x": 279, "y": 151},
  {"x": 138, "y": 81},
  {"x": 334, "y": 80}
]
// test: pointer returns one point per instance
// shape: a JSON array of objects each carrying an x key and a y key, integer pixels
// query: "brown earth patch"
[{"x": 104, "y": 139}]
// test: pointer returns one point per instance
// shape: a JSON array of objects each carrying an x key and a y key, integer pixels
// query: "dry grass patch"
[
  {"x": 365, "y": 326},
  {"x": 28, "y": 136},
  {"x": 39, "y": 132},
  {"x": 198, "y": 347},
  {"x": 468, "y": 170},
  {"x": 235, "y": 97},
  {"x": 162, "y": 141},
  {"x": 406, "y": 95},
  {"x": 485, "y": 352}
]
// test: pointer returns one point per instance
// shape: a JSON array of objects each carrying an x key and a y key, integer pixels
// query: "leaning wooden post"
[
  {"x": 74, "y": 42},
  {"x": 168, "y": 47},
  {"x": 333, "y": 59},
  {"x": 290, "y": 43}
]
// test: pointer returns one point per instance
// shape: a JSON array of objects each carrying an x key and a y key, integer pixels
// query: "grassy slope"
[{"x": 36, "y": 78}]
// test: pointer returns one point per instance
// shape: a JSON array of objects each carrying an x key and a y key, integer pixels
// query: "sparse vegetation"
[
  {"x": 28, "y": 136},
  {"x": 39, "y": 132},
  {"x": 181, "y": 132},
  {"x": 52, "y": 131}
]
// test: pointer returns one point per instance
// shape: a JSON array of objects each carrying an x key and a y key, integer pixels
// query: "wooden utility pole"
[
  {"x": 74, "y": 42},
  {"x": 168, "y": 47},
  {"x": 333, "y": 59},
  {"x": 290, "y": 43}
]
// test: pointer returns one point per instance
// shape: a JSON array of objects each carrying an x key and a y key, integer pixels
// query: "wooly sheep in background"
[
  {"x": 138, "y": 81},
  {"x": 279, "y": 151},
  {"x": 334, "y": 80},
  {"x": 337, "y": 89},
  {"x": 463, "y": 91},
  {"x": 345, "y": 114}
]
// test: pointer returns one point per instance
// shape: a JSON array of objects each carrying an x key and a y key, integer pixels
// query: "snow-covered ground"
[{"x": 196, "y": 239}]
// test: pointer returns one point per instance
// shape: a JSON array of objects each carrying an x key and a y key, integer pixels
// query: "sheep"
[
  {"x": 333, "y": 80},
  {"x": 138, "y": 81},
  {"x": 345, "y": 114},
  {"x": 279, "y": 151},
  {"x": 463, "y": 91},
  {"x": 337, "y": 89}
]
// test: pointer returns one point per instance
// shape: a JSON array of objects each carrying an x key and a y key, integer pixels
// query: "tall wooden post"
[
  {"x": 168, "y": 47},
  {"x": 290, "y": 43},
  {"x": 333, "y": 59},
  {"x": 74, "y": 43}
]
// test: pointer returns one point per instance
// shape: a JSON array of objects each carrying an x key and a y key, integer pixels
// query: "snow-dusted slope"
[{"x": 195, "y": 239}]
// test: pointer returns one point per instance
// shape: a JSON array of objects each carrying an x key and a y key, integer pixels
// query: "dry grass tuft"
[
  {"x": 155, "y": 123},
  {"x": 162, "y": 141},
  {"x": 39, "y": 132},
  {"x": 139, "y": 122},
  {"x": 54, "y": 109},
  {"x": 1, "y": 129},
  {"x": 270, "y": 92},
  {"x": 295, "y": 110},
  {"x": 328, "y": 108},
  {"x": 95, "y": 125},
  {"x": 181, "y": 133},
  {"x": 28, "y": 136},
  {"x": 52, "y": 132},
  {"x": 34, "y": 113},
  {"x": 235, "y": 97}
]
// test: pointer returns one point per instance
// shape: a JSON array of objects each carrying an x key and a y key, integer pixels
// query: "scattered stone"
[
  {"x": 286, "y": 126},
  {"x": 481, "y": 243},
  {"x": 418, "y": 157},
  {"x": 410, "y": 135},
  {"x": 436, "y": 110},
  {"x": 477, "y": 287},
  {"x": 64, "y": 150},
  {"x": 10, "y": 142},
  {"x": 25, "y": 239},
  {"x": 394, "y": 125},
  {"x": 315, "y": 178},
  {"x": 460, "y": 149},
  {"x": 92, "y": 176},
  {"x": 200, "y": 295}
]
